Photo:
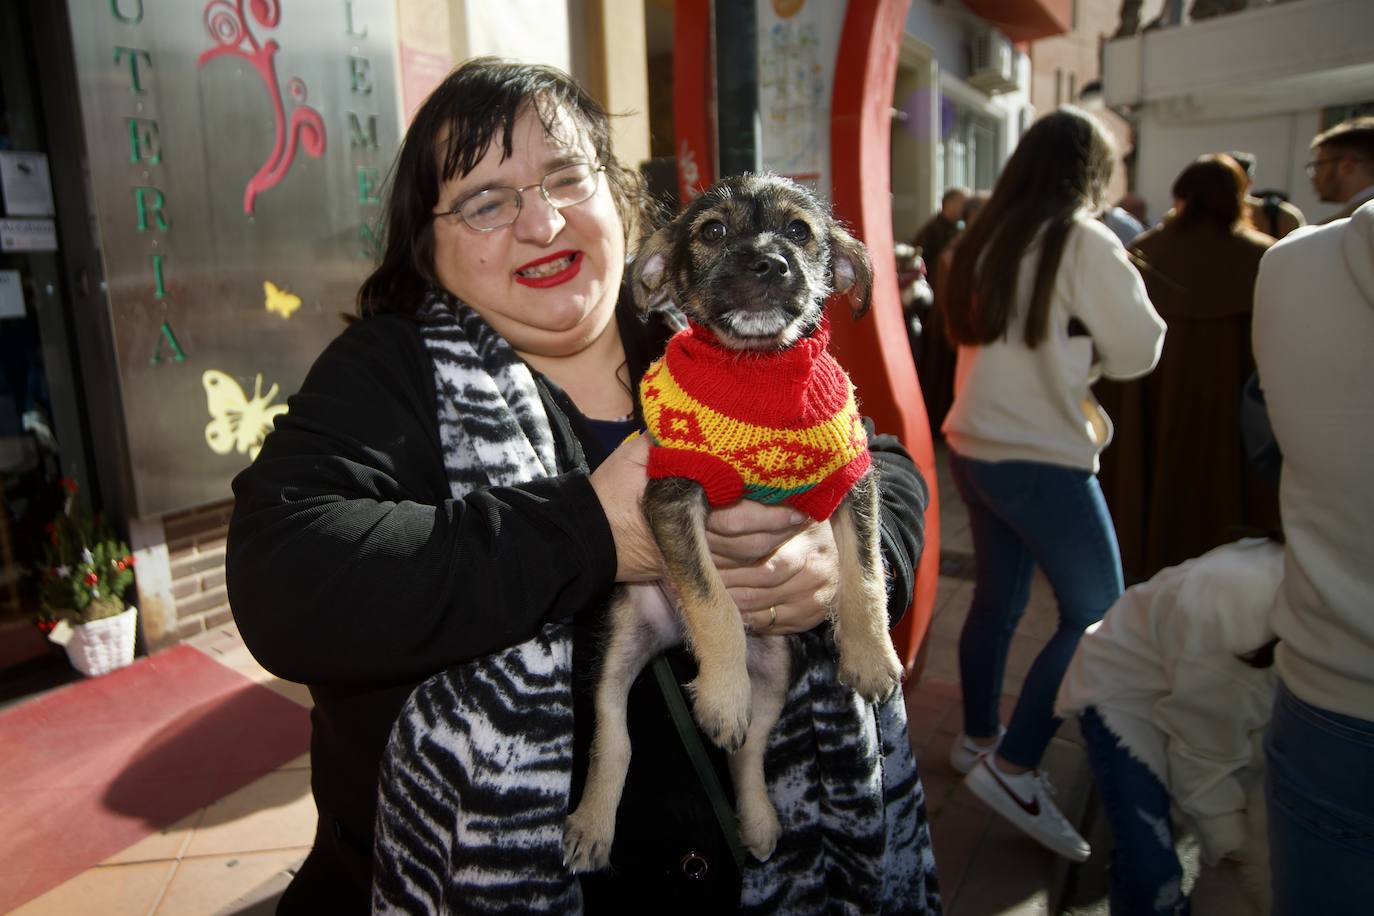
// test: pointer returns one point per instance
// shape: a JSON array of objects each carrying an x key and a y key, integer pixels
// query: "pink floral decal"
[{"x": 227, "y": 25}]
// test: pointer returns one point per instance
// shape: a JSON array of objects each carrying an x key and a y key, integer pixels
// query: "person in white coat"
[
  {"x": 1314, "y": 346},
  {"x": 1173, "y": 689},
  {"x": 1041, "y": 300}
]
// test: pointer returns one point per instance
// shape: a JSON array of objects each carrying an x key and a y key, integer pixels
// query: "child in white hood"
[{"x": 1171, "y": 712}]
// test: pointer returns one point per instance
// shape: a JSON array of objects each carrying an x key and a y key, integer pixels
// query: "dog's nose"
[{"x": 769, "y": 264}]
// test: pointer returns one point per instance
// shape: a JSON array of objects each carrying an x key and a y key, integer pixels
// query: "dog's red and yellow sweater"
[{"x": 773, "y": 427}]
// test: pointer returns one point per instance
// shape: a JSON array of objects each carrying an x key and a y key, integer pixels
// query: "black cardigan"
[{"x": 351, "y": 569}]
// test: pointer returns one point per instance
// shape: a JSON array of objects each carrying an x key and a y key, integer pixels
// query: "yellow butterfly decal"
[
  {"x": 238, "y": 423},
  {"x": 279, "y": 300}
]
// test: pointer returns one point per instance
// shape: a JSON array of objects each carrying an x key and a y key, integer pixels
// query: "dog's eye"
[
  {"x": 713, "y": 231},
  {"x": 797, "y": 231}
]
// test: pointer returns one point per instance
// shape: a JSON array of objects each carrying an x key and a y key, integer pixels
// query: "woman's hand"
[
  {"x": 619, "y": 484},
  {"x": 781, "y": 567}
]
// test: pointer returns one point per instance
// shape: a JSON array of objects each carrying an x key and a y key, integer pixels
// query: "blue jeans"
[
  {"x": 1320, "y": 789},
  {"x": 1022, "y": 513},
  {"x": 1146, "y": 877}
]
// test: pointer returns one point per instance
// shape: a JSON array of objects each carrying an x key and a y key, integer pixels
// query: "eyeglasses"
[
  {"x": 496, "y": 208},
  {"x": 1317, "y": 163}
]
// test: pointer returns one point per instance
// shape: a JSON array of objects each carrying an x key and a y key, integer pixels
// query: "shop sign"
[
  {"x": 797, "y": 45},
  {"x": 236, "y": 149},
  {"x": 31, "y": 235},
  {"x": 24, "y": 183}
]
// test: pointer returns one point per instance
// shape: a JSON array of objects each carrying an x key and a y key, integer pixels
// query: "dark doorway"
[{"x": 42, "y": 418}]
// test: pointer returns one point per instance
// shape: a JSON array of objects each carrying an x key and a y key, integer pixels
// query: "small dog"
[{"x": 750, "y": 263}]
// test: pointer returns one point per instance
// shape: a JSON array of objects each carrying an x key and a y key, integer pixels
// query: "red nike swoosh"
[{"x": 1033, "y": 808}]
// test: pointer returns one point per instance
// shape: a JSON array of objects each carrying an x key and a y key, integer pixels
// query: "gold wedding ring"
[{"x": 772, "y": 617}]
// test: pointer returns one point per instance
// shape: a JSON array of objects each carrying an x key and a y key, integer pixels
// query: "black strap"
[
  {"x": 1272, "y": 210},
  {"x": 696, "y": 752}
]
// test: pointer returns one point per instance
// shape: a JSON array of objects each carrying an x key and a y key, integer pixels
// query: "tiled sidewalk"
[
  {"x": 231, "y": 857},
  {"x": 235, "y": 856},
  {"x": 987, "y": 866}
]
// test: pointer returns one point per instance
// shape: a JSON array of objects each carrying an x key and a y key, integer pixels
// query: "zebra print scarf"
[{"x": 476, "y": 778}]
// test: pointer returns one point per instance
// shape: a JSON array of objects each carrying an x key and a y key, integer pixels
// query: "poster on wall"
[
  {"x": 28, "y": 235},
  {"x": 237, "y": 152},
  {"x": 798, "y": 41},
  {"x": 25, "y": 184}
]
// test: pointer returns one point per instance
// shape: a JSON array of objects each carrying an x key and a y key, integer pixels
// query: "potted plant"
[{"x": 86, "y": 573}]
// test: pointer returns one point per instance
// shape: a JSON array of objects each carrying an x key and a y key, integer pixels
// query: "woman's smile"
[{"x": 551, "y": 270}]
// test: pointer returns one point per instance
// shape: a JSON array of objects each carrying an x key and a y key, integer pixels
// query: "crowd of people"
[
  {"x": 1170, "y": 503},
  {"x": 1242, "y": 626},
  {"x": 429, "y": 535}
]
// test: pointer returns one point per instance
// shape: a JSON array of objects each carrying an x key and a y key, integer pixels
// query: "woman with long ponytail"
[{"x": 1041, "y": 301}]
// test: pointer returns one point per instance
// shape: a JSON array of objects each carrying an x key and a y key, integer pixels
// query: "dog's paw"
[
  {"x": 586, "y": 843},
  {"x": 873, "y": 672},
  {"x": 759, "y": 829},
  {"x": 720, "y": 702}
]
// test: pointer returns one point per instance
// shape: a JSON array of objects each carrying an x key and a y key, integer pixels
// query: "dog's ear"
[
  {"x": 649, "y": 273},
  {"x": 851, "y": 270}
]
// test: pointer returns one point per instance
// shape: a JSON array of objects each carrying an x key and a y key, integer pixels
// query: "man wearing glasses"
[{"x": 1342, "y": 166}]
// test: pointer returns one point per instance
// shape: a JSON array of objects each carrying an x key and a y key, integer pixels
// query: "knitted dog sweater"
[{"x": 772, "y": 427}]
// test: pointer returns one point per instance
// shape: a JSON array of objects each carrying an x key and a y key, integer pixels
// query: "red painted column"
[
  {"x": 693, "y": 99},
  {"x": 874, "y": 349}
]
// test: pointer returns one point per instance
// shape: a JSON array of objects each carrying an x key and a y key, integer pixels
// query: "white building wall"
[
  {"x": 931, "y": 75},
  {"x": 1279, "y": 143},
  {"x": 944, "y": 28},
  {"x": 1255, "y": 80},
  {"x": 535, "y": 31}
]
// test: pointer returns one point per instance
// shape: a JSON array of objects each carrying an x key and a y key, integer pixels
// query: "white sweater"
[
  {"x": 1161, "y": 670},
  {"x": 1015, "y": 403},
  {"x": 1314, "y": 344}
]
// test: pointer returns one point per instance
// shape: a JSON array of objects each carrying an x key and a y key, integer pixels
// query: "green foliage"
[{"x": 86, "y": 569}]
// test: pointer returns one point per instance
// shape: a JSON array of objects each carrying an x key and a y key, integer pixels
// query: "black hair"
[
  {"x": 463, "y": 117},
  {"x": 1245, "y": 160},
  {"x": 1060, "y": 166},
  {"x": 1212, "y": 189},
  {"x": 974, "y": 205}
]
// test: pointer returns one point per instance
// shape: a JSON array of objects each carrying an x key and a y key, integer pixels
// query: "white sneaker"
[
  {"x": 1025, "y": 800},
  {"x": 964, "y": 752}
]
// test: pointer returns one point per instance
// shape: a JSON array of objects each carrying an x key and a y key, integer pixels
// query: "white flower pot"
[{"x": 104, "y": 645}]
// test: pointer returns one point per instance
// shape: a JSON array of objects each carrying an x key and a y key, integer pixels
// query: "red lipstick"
[{"x": 563, "y": 276}]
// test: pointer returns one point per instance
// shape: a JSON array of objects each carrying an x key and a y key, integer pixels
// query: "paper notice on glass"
[
  {"x": 25, "y": 183},
  {"x": 11, "y": 295},
  {"x": 28, "y": 235}
]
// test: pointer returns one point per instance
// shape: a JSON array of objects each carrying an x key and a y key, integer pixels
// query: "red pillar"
[
  {"x": 874, "y": 349},
  {"x": 693, "y": 99}
]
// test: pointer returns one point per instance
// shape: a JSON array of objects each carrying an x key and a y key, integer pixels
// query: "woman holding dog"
[
  {"x": 1041, "y": 302},
  {"x": 429, "y": 537}
]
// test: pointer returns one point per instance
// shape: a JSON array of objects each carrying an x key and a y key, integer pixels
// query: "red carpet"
[{"x": 96, "y": 766}]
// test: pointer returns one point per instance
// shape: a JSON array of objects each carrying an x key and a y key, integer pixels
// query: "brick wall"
[{"x": 195, "y": 548}]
